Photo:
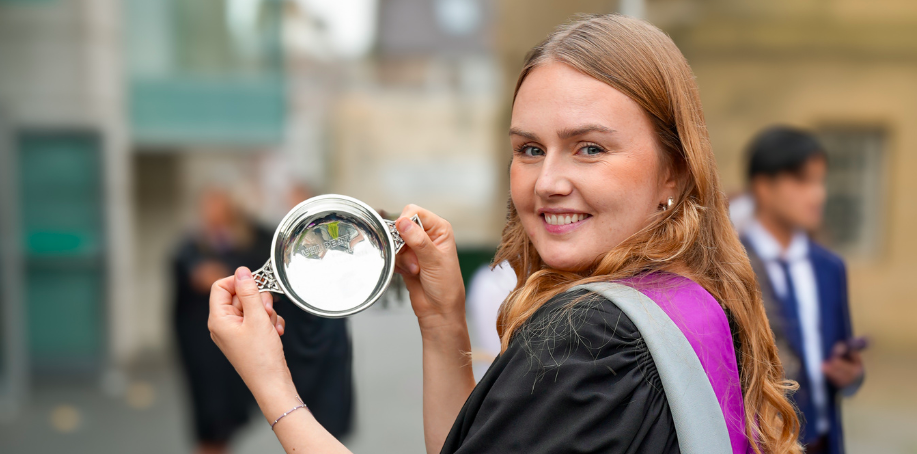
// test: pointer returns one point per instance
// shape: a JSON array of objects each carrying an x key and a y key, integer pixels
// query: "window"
[
  {"x": 854, "y": 209},
  {"x": 205, "y": 71}
]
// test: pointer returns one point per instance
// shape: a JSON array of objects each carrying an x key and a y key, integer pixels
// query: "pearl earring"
[{"x": 668, "y": 204}]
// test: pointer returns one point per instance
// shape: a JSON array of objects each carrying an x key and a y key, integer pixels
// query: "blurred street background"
[{"x": 115, "y": 115}]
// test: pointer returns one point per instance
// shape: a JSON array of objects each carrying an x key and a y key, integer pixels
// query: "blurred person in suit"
[
  {"x": 222, "y": 240},
  {"x": 804, "y": 286}
]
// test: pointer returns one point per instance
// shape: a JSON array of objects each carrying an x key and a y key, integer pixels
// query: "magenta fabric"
[{"x": 704, "y": 324}]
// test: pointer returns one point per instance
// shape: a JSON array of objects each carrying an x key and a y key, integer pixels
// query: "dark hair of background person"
[{"x": 780, "y": 149}]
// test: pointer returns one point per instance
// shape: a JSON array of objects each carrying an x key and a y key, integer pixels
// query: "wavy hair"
[{"x": 642, "y": 62}]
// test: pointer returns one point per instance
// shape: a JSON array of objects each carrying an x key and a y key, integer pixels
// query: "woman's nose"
[{"x": 553, "y": 180}]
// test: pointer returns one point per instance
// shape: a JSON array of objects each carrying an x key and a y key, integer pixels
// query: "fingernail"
[
  {"x": 405, "y": 224},
  {"x": 414, "y": 268},
  {"x": 243, "y": 274}
]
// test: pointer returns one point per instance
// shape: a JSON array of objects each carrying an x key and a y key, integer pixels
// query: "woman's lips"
[{"x": 560, "y": 223}]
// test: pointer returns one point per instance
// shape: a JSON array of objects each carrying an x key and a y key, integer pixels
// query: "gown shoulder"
[{"x": 576, "y": 378}]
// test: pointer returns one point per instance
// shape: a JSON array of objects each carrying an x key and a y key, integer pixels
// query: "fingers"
[
  {"x": 417, "y": 239},
  {"x": 221, "y": 296},
  {"x": 221, "y": 308},
  {"x": 281, "y": 325},
  {"x": 855, "y": 357},
  {"x": 841, "y": 373},
  {"x": 267, "y": 299},
  {"x": 406, "y": 262},
  {"x": 431, "y": 222},
  {"x": 268, "y": 302},
  {"x": 236, "y": 306},
  {"x": 839, "y": 349},
  {"x": 247, "y": 291},
  {"x": 236, "y": 303},
  {"x": 839, "y": 366}
]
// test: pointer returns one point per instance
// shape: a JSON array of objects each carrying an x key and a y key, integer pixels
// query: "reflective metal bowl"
[{"x": 332, "y": 256}]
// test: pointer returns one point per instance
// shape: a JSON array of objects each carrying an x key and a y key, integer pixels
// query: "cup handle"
[
  {"x": 399, "y": 243},
  {"x": 267, "y": 279}
]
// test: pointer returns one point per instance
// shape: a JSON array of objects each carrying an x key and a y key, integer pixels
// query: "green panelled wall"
[
  {"x": 205, "y": 72},
  {"x": 4, "y": 339},
  {"x": 61, "y": 215},
  {"x": 230, "y": 111}
]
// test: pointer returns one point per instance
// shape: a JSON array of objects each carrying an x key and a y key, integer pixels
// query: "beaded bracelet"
[{"x": 301, "y": 405}]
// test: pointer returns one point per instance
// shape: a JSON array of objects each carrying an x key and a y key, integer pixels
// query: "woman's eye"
[
  {"x": 531, "y": 151},
  {"x": 591, "y": 150}
]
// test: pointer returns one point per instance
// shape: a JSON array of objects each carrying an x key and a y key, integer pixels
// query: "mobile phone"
[{"x": 854, "y": 344}]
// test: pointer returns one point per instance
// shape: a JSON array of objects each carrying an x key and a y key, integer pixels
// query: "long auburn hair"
[{"x": 642, "y": 62}]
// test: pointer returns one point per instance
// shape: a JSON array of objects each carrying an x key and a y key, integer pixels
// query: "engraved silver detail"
[
  {"x": 399, "y": 242},
  {"x": 266, "y": 280}
]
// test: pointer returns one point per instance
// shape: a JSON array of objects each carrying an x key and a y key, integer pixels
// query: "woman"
[
  {"x": 225, "y": 239},
  {"x": 612, "y": 179}
]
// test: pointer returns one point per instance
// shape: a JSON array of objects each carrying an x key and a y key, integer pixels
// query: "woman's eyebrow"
[
  {"x": 563, "y": 133},
  {"x": 568, "y": 133},
  {"x": 521, "y": 133}
]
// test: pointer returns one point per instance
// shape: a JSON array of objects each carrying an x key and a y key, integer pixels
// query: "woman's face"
[{"x": 586, "y": 170}]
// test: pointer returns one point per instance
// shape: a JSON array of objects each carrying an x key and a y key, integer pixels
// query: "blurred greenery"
[{"x": 472, "y": 258}]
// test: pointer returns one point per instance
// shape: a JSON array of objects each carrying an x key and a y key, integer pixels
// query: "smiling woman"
[
  {"x": 636, "y": 324},
  {"x": 607, "y": 125}
]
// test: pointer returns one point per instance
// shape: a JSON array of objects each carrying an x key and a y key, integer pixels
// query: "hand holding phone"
[
  {"x": 848, "y": 347},
  {"x": 845, "y": 366}
]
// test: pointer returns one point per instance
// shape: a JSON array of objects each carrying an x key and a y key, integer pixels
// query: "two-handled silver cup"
[{"x": 332, "y": 256}]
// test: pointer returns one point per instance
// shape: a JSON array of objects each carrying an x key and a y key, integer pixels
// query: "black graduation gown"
[
  {"x": 221, "y": 403},
  {"x": 577, "y": 381}
]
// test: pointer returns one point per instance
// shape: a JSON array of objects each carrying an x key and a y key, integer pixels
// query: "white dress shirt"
[
  {"x": 486, "y": 292},
  {"x": 806, "y": 291}
]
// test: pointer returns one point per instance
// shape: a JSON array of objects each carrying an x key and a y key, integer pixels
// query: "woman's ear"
[
  {"x": 671, "y": 178},
  {"x": 670, "y": 183}
]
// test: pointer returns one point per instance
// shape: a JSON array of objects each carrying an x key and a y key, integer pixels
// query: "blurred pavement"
[{"x": 149, "y": 416}]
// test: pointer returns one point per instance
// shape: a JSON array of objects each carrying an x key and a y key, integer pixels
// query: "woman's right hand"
[
  {"x": 246, "y": 328},
  {"x": 430, "y": 267}
]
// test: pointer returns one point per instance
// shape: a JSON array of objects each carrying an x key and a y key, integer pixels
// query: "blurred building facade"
[
  {"x": 66, "y": 218},
  {"x": 843, "y": 68},
  {"x": 114, "y": 114},
  {"x": 846, "y": 70},
  {"x": 417, "y": 123}
]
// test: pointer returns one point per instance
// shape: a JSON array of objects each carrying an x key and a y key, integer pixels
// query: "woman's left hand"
[
  {"x": 245, "y": 326},
  {"x": 430, "y": 267}
]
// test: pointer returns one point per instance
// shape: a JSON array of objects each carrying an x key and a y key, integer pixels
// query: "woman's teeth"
[{"x": 564, "y": 219}]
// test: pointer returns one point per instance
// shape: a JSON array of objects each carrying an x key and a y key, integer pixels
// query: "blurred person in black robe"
[
  {"x": 318, "y": 350},
  {"x": 223, "y": 240}
]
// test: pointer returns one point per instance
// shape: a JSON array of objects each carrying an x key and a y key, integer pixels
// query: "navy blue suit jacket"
[{"x": 835, "y": 326}]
